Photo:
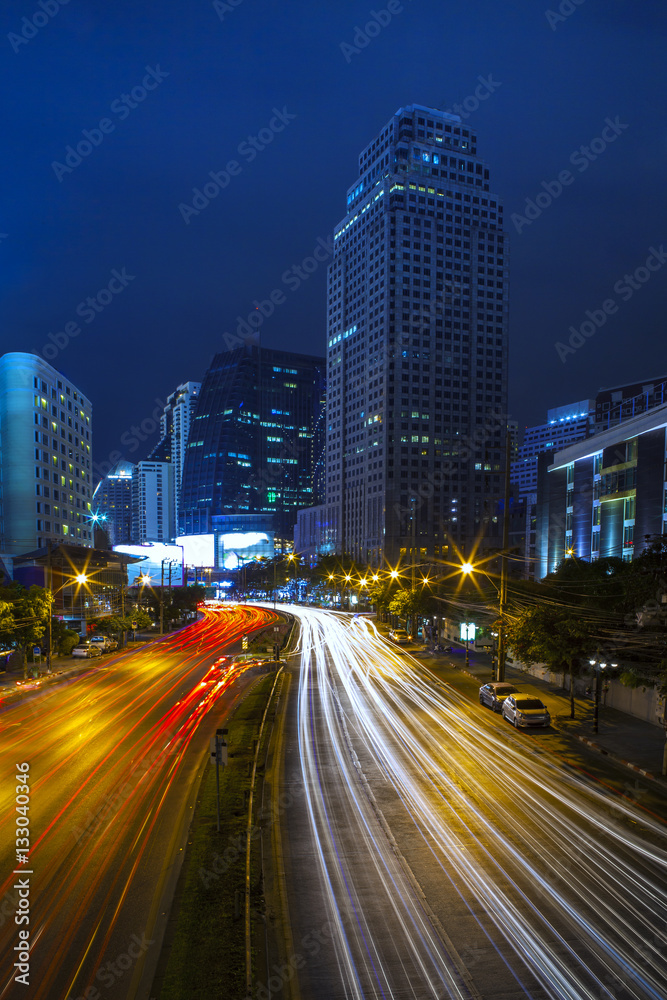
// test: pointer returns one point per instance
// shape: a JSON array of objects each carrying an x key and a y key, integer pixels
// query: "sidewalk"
[
  {"x": 62, "y": 667},
  {"x": 629, "y": 741}
]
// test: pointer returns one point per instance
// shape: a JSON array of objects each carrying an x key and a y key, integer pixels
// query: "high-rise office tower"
[
  {"x": 256, "y": 443},
  {"x": 417, "y": 347},
  {"x": 45, "y": 457},
  {"x": 112, "y": 503},
  {"x": 152, "y": 502},
  {"x": 175, "y": 424}
]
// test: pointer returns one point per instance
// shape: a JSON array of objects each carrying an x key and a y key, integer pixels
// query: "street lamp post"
[
  {"x": 468, "y": 569},
  {"x": 599, "y": 666},
  {"x": 79, "y": 579}
]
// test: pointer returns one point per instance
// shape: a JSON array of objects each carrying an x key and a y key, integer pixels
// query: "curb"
[{"x": 618, "y": 760}]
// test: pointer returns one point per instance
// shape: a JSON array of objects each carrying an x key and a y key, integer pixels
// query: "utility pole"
[
  {"x": 122, "y": 609},
  {"x": 162, "y": 599},
  {"x": 413, "y": 540},
  {"x": 49, "y": 624},
  {"x": 502, "y": 650}
]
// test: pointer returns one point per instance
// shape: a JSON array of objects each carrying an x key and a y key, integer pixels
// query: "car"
[
  {"x": 103, "y": 643},
  {"x": 523, "y": 710},
  {"x": 400, "y": 636},
  {"x": 493, "y": 695},
  {"x": 86, "y": 649}
]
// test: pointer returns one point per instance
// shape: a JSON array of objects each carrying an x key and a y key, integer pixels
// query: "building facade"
[
  {"x": 564, "y": 426},
  {"x": 417, "y": 347},
  {"x": 257, "y": 440},
  {"x": 175, "y": 424},
  {"x": 616, "y": 404},
  {"x": 605, "y": 496},
  {"x": 112, "y": 503},
  {"x": 46, "y": 444},
  {"x": 152, "y": 502}
]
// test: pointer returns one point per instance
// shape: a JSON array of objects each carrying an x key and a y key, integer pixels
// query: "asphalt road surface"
[
  {"x": 433, "y": 851},
  {"x": 111, "y": 759}
]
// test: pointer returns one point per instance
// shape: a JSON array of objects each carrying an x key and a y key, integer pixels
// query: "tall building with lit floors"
[
  {"x": 112, "y": 503},
  {"x": 255, "y": 452},
  {"x": 175, "y": 424},
  {"x": 45, "y": 457},
  {"x": 417, "y": 348}
]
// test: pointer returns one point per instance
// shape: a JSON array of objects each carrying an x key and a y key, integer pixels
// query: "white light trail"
[{"x": 579, "y": 896}]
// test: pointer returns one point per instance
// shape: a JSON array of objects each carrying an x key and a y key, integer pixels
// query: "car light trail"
[
  {"x": 106, "y": 764},
  {"x": 574, "y": 882}
]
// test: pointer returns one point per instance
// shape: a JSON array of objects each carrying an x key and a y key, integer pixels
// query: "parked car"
[
  {"x": 104, "y": 643},
  {"x": 493, "y": 695},
  {"x": 400, "y": 637},
  {"x": 86, "y": 649},
  {"x": 525, "y": 711}
]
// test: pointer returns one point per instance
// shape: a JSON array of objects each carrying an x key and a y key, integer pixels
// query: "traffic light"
[{"x": 244, "y": 642}]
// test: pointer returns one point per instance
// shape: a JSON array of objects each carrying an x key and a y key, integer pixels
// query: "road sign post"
[{"x": 219, "y": 753}]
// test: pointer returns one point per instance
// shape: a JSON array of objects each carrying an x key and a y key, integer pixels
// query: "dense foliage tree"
[
  {"x": 23, "y": 617},
  {"x": 552, "y": 635}
]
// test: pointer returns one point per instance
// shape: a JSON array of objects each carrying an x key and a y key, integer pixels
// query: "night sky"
[{"x": 212, "y": 75}]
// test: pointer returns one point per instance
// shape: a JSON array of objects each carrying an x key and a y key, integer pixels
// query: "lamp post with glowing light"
[
  {"x": 599, "y": 666},
  {"x": 293, "y": 558},
  {"x": 80, "y": 579},
  {"x": 468, "y": 569}
]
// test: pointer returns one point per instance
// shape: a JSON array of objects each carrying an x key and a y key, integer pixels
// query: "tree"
[
  {"x": 552, "y": 635},
  {"x": 409, "y": 604},
  {"x": 23, "y": 624},
  {"x": 63, "y": 639}
]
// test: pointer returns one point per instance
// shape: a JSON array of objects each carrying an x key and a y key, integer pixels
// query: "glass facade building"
[{"x": 256, "y": 440}]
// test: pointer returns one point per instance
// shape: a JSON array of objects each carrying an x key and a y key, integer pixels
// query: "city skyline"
[{"x": 131, "y": 280}]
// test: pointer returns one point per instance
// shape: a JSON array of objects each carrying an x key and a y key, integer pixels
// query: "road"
[
  {"x": 112, "y": 758},
  {"x": 432, "y": 851}
]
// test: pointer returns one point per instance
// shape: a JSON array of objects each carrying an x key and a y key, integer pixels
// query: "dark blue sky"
[{"x": 219, "y": 71}]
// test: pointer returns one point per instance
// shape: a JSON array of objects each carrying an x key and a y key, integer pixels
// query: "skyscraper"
[
  {"x": 256, "y": 442},
  {"x": 45, "y": 456},
  {"x": 112, "y": 502},
  {"x": 152, "y": 502},
  {"x": 175, "y": 424},
  {"x": 417, "y": 346}
]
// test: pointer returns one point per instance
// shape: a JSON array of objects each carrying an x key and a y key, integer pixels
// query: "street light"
[
  {"x": 467, "y": 568},
  {"x": 599, "y": 667},
  {"x": 293, "y": 558},
  {"x": 79, "y": 579}
]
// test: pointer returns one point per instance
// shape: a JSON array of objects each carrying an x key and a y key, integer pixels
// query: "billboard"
[{"x": 154, "y": 556}]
